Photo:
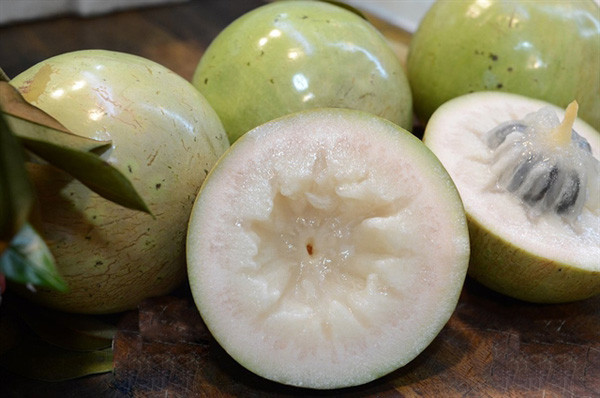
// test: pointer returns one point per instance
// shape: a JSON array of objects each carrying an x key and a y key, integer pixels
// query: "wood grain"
[
  {"x": 174, "y": 35},
  {"x": 492, "y": 346}
]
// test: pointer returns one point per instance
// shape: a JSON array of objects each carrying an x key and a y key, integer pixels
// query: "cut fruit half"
[
  {"x": 530, "y": 187},
  {"x": 327, "y": 248}
]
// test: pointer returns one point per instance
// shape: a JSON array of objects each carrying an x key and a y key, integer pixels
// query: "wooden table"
[{"x": 492, "y": 346}]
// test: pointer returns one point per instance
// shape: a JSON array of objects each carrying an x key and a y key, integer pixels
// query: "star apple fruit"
[
  {"x": 288, "y": 56},
  {"x": 547, "y": 49},
  {"x": 165, "y": 138},
  {"x": 327, "y": 248}
]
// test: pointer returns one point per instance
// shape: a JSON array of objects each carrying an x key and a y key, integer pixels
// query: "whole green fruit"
[
  {"x": 548, "y": 50},
  {"x": 165, "y": 138},
  {"x": 289, "y": 56}
]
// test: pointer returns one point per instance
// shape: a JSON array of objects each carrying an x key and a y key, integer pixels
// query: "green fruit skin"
[
  {"x": 548, "y": 50},
  {"x": 165, "y": 138},
  {"x": 294, "y": 55},
  {"x": 502, "y": 267}
]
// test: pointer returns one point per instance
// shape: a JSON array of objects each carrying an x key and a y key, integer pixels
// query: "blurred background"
[
  {"x": 404, "y": 13},
  {"x": 174, "y": 33}
]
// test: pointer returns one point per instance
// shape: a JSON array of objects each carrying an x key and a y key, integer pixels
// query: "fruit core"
[
  {"x": 315, "y": 235},
  {"x": 337, "y": 236},
  {"x": 545, "y": 163}
]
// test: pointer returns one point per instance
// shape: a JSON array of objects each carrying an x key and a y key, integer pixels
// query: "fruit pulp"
[{"x": 327, "y": 248}]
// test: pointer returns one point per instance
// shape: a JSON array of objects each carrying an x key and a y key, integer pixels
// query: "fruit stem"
[{"x": 561, "y": 135}]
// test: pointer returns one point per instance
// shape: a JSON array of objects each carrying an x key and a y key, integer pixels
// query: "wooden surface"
[{"x": 492, "y": 346}]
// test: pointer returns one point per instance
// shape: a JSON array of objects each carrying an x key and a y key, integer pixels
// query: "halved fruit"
[
  {"x": 530, "y": 188},
  {"x": 327, "y": 248}
]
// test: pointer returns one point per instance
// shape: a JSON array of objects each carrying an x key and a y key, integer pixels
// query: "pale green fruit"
[
  {"x": 517, "y": 247},
  {"x": 548, "y": 50},
  {"x": 288, "y": 56},
  {"x": 165, "y": 138},
  {"x": 327, "y": 248}
]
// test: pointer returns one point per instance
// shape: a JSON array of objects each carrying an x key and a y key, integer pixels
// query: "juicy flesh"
[
  {"x": 317, "y": 242},
  {"x": 458, "y": 138},
  {"x": 339, "y": 262},
  {"x": 333, "y": 246}
]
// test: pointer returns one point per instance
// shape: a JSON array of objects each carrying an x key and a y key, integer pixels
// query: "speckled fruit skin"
[
  {"x": 165, "y": 138},
  {"x": 548, "y": 50},
  {"x": 294, "y": 55}
]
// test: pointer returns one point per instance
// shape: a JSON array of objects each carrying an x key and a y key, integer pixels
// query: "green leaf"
[
  {"x": 26, "y": 351},
  {"x": 69, "y": 331},
  {"x": 92, "y": 171},
  {"x": 34, "y": 358},
  {"x": 28, "y": 260},
  {"x": 28, "y": 121},
  {"x": 16, "y": 190},
  {"x": 3, "y": 76},
  {"x": 44, "y": 136},
  {"x": 32, "y": 131}
]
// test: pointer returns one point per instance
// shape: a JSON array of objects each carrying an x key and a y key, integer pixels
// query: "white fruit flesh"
[
  {"x": 326, "y": 249},
  {"x": 457, "y": 136}
]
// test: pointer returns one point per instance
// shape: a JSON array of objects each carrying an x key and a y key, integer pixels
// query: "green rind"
[
  {"x": 542, "y": 49},
  {"x": 290, "y": 56},
  {"x": 402, "y": 138},
  {"x": 499, "y": 265}
]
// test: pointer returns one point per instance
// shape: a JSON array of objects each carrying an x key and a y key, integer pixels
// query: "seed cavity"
[
  {"x": 535, "y": 160},
  {"x": 326, "y": 247}
]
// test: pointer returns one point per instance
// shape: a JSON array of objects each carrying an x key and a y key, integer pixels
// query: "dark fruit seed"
[
  {"x": 521, "y": 173},
  {"x": 499, "y": 134},
  {"x": 555, "y": 189},
  {"x": 569, "y": 196},
  {"x": 541, "y": 187}
]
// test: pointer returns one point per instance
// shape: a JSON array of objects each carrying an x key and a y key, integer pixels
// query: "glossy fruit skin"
[
  {"x": 165, "y": 138},
  {"x": 548, "y": 50},
  {"x": 290, "y": 56}
]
